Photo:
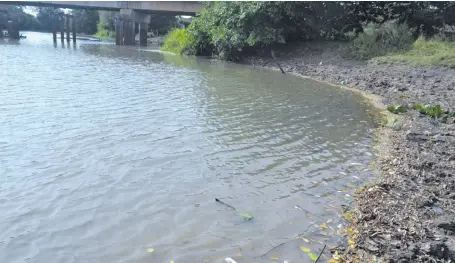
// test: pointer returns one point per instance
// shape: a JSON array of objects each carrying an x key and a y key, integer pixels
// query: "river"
[{"x": 108, "y": 151}]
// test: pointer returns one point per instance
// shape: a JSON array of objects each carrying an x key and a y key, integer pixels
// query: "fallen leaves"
[
  {"x": 305, "y": 249},
  {"x": 313, "y": 256},
  {"x": 306, "y": 240},
  {"x": 324, "y": 226},
  {"x": 150, "y": 250}
]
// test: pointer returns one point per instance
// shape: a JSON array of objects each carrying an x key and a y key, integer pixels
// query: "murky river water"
[{"x": 108, "y": 151}]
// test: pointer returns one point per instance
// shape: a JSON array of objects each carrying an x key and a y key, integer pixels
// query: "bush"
[
  {"x": 103, "y": 32},
  {"x": 376, "y": 41},
  {"x": 228, "y": 30},
  {"x": 177, "y": 41}
]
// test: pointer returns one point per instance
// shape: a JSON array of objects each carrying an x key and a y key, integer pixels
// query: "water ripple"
[{"x": 106, "y": 151}]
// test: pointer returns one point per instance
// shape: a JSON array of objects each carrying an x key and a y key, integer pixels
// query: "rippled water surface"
[{"x": 108, "y": 151}]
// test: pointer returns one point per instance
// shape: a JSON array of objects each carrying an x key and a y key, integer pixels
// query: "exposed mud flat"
[{"x": 408, "y": 213}]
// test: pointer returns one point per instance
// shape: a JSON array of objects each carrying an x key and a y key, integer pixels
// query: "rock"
[
  {"x": 401, "y": 88},
  {"x": 448, "y": 226}
]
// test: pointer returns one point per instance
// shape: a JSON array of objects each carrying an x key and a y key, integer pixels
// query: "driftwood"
[
  {"x": 228, "y": 205},
  {"x": 270, "y": 250},
  {"x": 276, "y": 61},
  {"x": 320, "y": 254}
]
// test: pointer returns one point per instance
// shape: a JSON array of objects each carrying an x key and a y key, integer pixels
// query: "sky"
[
  {"x": 30, "y": 10},
  {"x": 33, "y": 11}
]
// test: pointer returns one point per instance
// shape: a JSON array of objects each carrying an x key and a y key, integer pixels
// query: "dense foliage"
[
  {"x": 379, "y": 40},
  {"x": 162, "y": 23},
  {"x": 25, "y": 21},
  {"x": 86, "y": 20},
  {"x": 228, "y": 29}
]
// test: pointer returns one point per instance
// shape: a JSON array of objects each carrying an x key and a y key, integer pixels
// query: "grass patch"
[{"x": 426, "y": 53}]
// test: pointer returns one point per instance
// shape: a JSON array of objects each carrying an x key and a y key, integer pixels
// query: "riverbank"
[{"x": 407, "y": 214}]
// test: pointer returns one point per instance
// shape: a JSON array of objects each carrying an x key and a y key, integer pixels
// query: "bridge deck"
[{"x": 175, "y": 7}]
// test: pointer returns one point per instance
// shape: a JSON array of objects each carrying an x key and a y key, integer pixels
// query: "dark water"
[{"x": 108, "y": 151}]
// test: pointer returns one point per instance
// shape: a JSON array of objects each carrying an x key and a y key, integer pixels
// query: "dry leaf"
[
  {"x": 150, "y": 250},
  {"x": 273, "y": 258},
  {"x": 324, "y": 226}
]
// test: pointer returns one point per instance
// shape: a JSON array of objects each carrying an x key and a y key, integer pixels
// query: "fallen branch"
[
  {"x": 276, "y": 61},
  {"x": 320, "y": 254},
  {"x": 271, "y": 250},
  {"x": 223, "y": 203},
  {"x": 245, "y": 216}
]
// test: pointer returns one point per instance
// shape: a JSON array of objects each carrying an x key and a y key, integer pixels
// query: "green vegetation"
[
  {"x": 397, "y": 109},
  {"x": 230, "y": 30},
  {"x": 106, "y": 25},
  {"x": 105, "y": 34},
  {"x": 25, "y": 21},
  {"x": 379, "y": 40},
  {"x": 434, "y": 111},
  {"x": 425, "y": 52},
  {"x": 162, "y": 23},
  {"x": 177, "y": 40},
  {"x": 86, "y": 21}
]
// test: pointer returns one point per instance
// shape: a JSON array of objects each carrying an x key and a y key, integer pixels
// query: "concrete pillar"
[
  {"x": 118, "y": 31},
  {"x": 67, "y": 27},
  {"x": 73, "y": 26},
  {"x": 62, "y": 27},
  {"x": 125, "y": 27},
  {"x": 13, "y": 30},
  {"x": 54, "y": 27},
  {"x": 128, "y": 33},
  {"x": 143, "y": 28}
]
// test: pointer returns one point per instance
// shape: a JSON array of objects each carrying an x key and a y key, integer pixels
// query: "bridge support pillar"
[
  {"x": 67, "y": 20},
  {"x": 128, "y": 32},
  {"x": 13, "y": 30},
  {"x": 125, "y": 26},
  {"x": 118, "y": 31},
  {"x": 62, "y": 27},
  {"x": 54, "y": 27},
  {"x": 143, "y": 28},
  {"x": 73, "y": 26}
]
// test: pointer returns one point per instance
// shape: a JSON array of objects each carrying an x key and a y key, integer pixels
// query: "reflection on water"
[{"x": 107, "y": 151}]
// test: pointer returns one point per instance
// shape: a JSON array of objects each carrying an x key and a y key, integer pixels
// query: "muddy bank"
[{"x": 408, "y": 213}]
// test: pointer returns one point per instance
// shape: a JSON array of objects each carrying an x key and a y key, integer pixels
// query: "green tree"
[
  {"x": 45, "y": 17},
  {"x": 107, "y": 20},
  {"x": 25, "y": 21},
  {"x": 86, "y": 20},
  {"x": 162, "y": 23}
]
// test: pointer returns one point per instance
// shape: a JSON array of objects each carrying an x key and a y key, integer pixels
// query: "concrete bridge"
[{"x": 130, "y": 14}]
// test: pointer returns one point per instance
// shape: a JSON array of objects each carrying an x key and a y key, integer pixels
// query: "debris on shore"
[{"x": 408, "y": 213}]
